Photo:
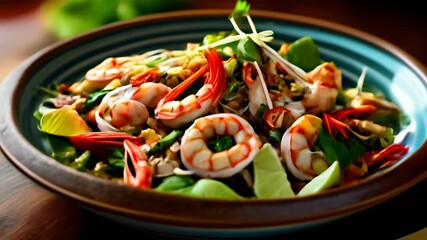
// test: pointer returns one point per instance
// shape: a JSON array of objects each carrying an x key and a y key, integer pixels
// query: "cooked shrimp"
[
  {"x": 257, "y": 89},
  {"x": 137, "y": 172},
  {"x": 296, "y": 146},
  {"x": 110, "y": 69},
  {"x": 150, "y": 93},
  {"x": 326, "y": 81},
  {"x": 116, "y": 67},
  {"x": 196, "y": 155},
  {"x": 128, "y": 113},
  {"x": 126, "y": 106},
  {"x": 117, "y": 112},
  {"x": 174, "y": 113}
]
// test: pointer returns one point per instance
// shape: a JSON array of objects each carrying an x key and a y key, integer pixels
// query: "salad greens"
[{"x": 229, "y": 117}]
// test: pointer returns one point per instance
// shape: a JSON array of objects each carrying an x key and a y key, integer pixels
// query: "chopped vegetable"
[{"x": 226, "y": 117}]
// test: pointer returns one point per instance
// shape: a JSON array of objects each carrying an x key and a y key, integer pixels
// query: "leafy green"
[
  {"x": 38, "y": 115},
  {"x": 339, "y": 149},
  {"x": 81, "y": 163},
  {"x": 61, "y": 148},
  {"x": 210, "y": 188},
  {"x": 274, "y": 136},
  {"x": 226, "y": 50},
  {"x": 214, "y": 37},
  {"x": 203, "y": 188},
  {"x": 49, "y": 92},
  {"x": 93, "y": 99},
  {"x": 116, "y": 163},
  {"x": 304, "y": 53},
  {"x": 175, "y": 183},
  {"x": 222, "y": 143},
  {"x": 166, "y": 141},
  {"x": 240, "y": 9},
  {"x": 248, "y": 50}
]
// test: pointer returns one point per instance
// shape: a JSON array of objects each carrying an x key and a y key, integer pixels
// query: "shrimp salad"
[{"x": 229, "y": 117}]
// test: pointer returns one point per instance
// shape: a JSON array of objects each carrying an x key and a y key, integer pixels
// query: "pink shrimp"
[
  {"x": 111, "y": 68},
  {"x": 150, "y": 93},
  {"x": 296, "y": 146},
  {"x": 174, "y": 113},
  {"x": 126, "y": 107},
  {"x": 117, "y": 67},
  {"x": 325, "y": 82},
  {"x": 196, "y": 155},
  {"x": 254, "y": 83}
]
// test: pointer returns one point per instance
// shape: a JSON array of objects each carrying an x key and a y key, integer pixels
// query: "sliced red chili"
[
  {"x": 101, "y": 141},
  {"x": 352, "y": 112},
  {"x": 137, "y": 172},
  {"x": 150, "y": 75},
  {"x": 274, "y": 117},
  {"x": 387, "y": 156},
  {"x": 334, "y": 126}
]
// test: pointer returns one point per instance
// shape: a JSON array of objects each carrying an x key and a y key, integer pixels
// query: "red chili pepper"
[
  {"x": 215, "y": 76},
  {"x": 387, "y": 156},
  {"x": 102, "y": 141},
  {"x": 137, "y": 172},
  {"x": 249, "y": 73},
  {"x": 149, "y": 75},
  {"x": 352, "y": 112},
  {"x": 271, "y": 116},
  {"x": 176, "y": 91},
  {"x": 334, "y": 126}
]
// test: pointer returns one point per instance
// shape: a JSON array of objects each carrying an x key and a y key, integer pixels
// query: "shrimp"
[
  {"x": 137, "y": 172},
  {"x": 126, "y": 106},
  {"x": 257, "y": 91},
  {"x": 296, "y": 146},
  {"x": 109, "y": 69},
  {"x": 116, "y": 112},
  {"x": 325, "y": 82},
  {"x": 150, "y": 93},
  {"x": 174, "y": 113},
  {"x": 117, "y": 67},
  {"x": 196, "y": 155}
]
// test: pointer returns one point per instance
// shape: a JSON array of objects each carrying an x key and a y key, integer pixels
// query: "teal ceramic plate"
[{"x": 401, "y": 77}]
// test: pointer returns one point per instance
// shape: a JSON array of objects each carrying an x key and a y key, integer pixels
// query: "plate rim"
[{"x": 28, "y": 66}]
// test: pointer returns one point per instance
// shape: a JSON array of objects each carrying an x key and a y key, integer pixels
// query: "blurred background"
[{"x": 27, "y": 26}]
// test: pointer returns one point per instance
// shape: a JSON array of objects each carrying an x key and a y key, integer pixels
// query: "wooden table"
[{"x": 28, "y": 211}]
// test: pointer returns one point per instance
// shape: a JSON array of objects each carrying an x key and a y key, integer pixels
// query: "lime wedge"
[
  {"x": 64, "y": 122},
  {"x": 270, "y": 179},
  {"x": 211, "y": 188},
  {"x": 329, "y": 178}
]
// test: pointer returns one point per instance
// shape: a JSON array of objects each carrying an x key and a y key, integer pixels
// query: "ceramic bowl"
[{"x": 397, "y": 74}]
